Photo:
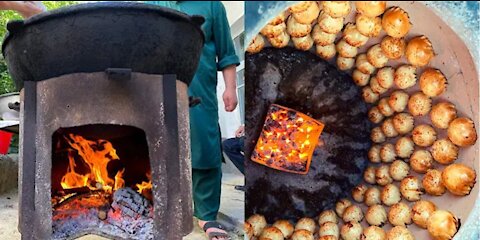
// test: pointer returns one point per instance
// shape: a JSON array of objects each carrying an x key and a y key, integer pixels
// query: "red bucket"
[{"x": 5, "y": 139}]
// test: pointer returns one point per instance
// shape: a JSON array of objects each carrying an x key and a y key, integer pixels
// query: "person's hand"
[
  {"x": 25, "y": 8},
  {"x": 240, "y": 131},
  {"x": 230, "y": 99}
]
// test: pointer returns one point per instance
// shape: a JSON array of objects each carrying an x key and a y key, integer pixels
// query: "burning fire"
[
  {"x": 288, "y": 140},
  {"x": 145, "y": 186}
]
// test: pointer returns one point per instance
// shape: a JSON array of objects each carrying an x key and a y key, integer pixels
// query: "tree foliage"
[{"x": 6, "y": 82}]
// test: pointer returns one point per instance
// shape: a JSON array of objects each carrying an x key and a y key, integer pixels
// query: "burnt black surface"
[
  {"x": 95, "y": 36},
  {"x": 304, "y": 82}
]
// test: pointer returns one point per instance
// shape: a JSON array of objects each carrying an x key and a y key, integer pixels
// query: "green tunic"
[{"x": 217, "y": 54}]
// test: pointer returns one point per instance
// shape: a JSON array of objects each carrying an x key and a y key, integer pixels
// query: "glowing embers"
[{"x": 288, "y": 140}]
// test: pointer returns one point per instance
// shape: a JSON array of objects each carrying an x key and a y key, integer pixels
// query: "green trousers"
[{"x": 207, "y": 186}]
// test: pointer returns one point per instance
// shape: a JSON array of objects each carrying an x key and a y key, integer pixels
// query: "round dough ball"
[
  {"x": 256, "y": 45},
  {"x": 376, "y": 57},
  {"x": 421, "y": 211},
  {"x": 322, "y": 38},
  {"x": 341, "y": 205},
  {"x": 390, "y": 195},
  {"x": 421, "y": 161},
  {"x": 352, "y": 36},
  {"x": 327, "y": 216},
  {"x": 345, "y": 63},
  {"x": 387, "y": 153},
  {"x": 375, "y": 86},
  {"x": 398, "y": 100},
  {"x": 271, "y": 31},
  {"x": 373, "y": 233},
  {"x": 368, "y": 95},
  {"x": 337, "y": 8},
  {"x": 374, "y": 114},
  {"x": 374, "y": 154},
  {"x": 329, "y": 229},
  {"x": 433, "y": 82},
  {"x": 352, "y": 213},
  {"x": 371, "y": 8},
  {"x": 403, "y": 123},
  {"x": 459, "y": 179},
  {"x": 461, "y": 132},
  {"x": 346, "y": 50},
  {"x": 404, "y": 147},
  {"x": 305, "y": 12},
  {"x": 442, "y": 225},
  {"x": 399, "y": 170},
  {"x": 305, "y": 223},
  {"x": 358, "y": 193},
  {"x": 405, "y": 76},
  {"x": 258, "y": 223},
  {"x": 419, "y": 104},
  {"x": 369, "y": 176},
  {"x": 368, "y": 26},
  {"x": 377, "y": 135},
  {"x": 330, "y": 24},
  {"x": 400, "y": 215},
  {"x": 248, "y": 229},
  {"x": 280, "y": 41},
  {"x": 385, "y": 77},
  {"x": 410, "y": 188},
  {"x": 326, "y": 52},
  {"x": 351, "y": 231},
  {"x": 302, "y": 234},
  {"x": 376, "y": 215},
  {"x": 382, "y": 175},
  {"x": 444, "y": 151},
  {"x": 424, "y": 135},
  {"x": 385, "y": 108},
  {"x": 296, "y": 29},
  {"x": 372, "y": 196},
  {"x": 419, "y": 51},
  {"x": 442, "y": 114},
  {"x": 388, "y": 129},
  {"x": 393, "y": 48},
  {"x": 395, "y": 22},
  {"x": 432, "y": 182},
  {"x": 303, "y": 43},
  {"x": 285, "y": 227},
  {"x": 363, "y": 65},
  {"x": 399, "y": 233},
  {"x": 272, "y": 233},
  {"x": 359, "y": 78}
]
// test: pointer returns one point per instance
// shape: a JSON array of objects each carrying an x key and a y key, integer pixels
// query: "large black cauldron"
[{"x": 95, "y": 36}]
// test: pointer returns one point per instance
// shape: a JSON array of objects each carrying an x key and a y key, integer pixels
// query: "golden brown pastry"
[
  {"x": 387, "y": 153},
  {"x": 302, "y": 234},
  {"x": 433, "y": 82},
  {"x": 377, "y": 135},
  {"x": 359, "y": 78},
  {"x": 376, "y": 57},
  {"x": 382, "y": 175},
  {"x": 346, "y": 50},
  {"x": 305, "y": 223},
  {"x": 395, "y": 22},
  {"x": 405, "y": 76},
  {"x": 368, "y": 26},
  {"x": 419, "y": 104},
  {"x": 296, "y": 29},
  {"x": 368, "y": 95},
  {"x": 376, "y": 215},
  {"x": 375, "y": 86},
  {"x": 400, "y": 215},
  {"x": 258, "y": 223},
  {"x": 411, "y": 189},
  {"x": 399, "y": 170},
  {"x": 384, "y": 107},
  {"x": 432, "y": 183},
  {"x": 393, "y": 48},
  {"x": 388, "y": 129},
  {"x": 385, "y": 77},
  {"x": 358, "y": 192},
  {"x": 280, "y": 18},
  {"x": 326, "y": 52},
  {"x": 459, "y": 179},
  {"x": 424, "y": 135},
  {"x": 330, "y": 24},
  {"x": 399, "y": 233},
  {"x": 303, "y": 43},
  {"x": 329, "y": 229},
  {"x": 352, "y": 36},
  {"x": 373, "y": 233},
  {"x": 248, "y": 229},
  {"x": 421, "y": 161},
  {"x": 337, "y": 8},
  {"x": 363, "y": 65},
  {"x": 403, "y": 123},
  {"x": 398, "y": 100},
  {"x": 444, "y": 151},
  {"x": 352, "y": 213},
  {"x": 322, "y": 38},
  {"x": 285, "y": 227},
  {"x": 404, "y": 147},
  {"x": 461, "y": 132},
  {"x": 280, "y": 41},
  {"x": 327, "y": 216},
  {"x": 442, "y": 225},
  {"x": 390, "y": 195},
  {"x": 271, "y": 31},
  {"x": 442, "y": 114},
  {"x": 371, "y": 8},
  {"x": 344, "y": 63},
  {"x": 341, "y": 205},
  {"x": 374, "y": 154},
  {"x": 372, "y": 196},
  {"x": 256, "y": 45},
  {"x": 351, "y": 231},
  {"x": 374, "y": 115},
  {"x": 305, "y": 12},
  {"x": 369, "y": 175},
  {"x": 272, "y": 233},
  {"x": 421, "y": 211},
  {"x": 419, "y": 51}
]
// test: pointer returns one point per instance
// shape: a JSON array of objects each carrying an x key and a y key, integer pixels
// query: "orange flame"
[{"x": 145, "y": 186}]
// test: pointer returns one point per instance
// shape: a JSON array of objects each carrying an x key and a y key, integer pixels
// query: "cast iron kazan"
[{"x": 95, "y": 36}]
